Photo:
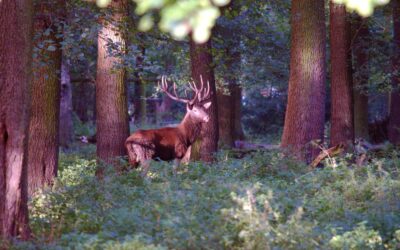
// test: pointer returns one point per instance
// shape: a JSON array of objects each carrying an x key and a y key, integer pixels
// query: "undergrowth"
[{"x": 263, "y": 201}]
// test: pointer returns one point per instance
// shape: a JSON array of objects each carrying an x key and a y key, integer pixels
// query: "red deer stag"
[{"x": 171, "y": 143}]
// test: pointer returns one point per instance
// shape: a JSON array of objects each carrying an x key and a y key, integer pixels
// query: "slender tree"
[
  {"x": 66, "y": 127},
  {"x": 81, "y": 94},
  {"x": 229, "y": 102},
  {"x": 342, "y": 128},
  {"x": 202, "y": 68},
  {"x": 45, "y": 106},
  {"x": 15, "y": 83},
  {"x": 394, "y": 115},
  {"x": 304, "y": 118},
  {"x": 111, "y": 91},
  {"x": 360, "y": 77},
  {"x": 229, "y": 96}
]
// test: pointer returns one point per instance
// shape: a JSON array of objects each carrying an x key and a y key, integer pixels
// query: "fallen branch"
[{"x": 338, "y": 149}]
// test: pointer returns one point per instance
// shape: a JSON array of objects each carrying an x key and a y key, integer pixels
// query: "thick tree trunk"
[
  {"x": 360, "y": 64},
  {"x": 66, "y": 126},
  {"x": 394, "y": 116},
  {"x": 44, "y": 123},
  {"x": 15, "y": 81},
  {"x": 111, "y": 91},
  {"x": 202, "y": 67},
  {"x": 305, "y": 112},
  {"x": 342, "y": 128}
]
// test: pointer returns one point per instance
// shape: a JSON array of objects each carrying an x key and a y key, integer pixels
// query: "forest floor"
[{"x": 263, "y": 201}]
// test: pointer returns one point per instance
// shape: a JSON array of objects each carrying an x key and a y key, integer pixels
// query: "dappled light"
[
  {"x": 200, "y": 124},
  {"x": 364, "y": 8},
  {"x": 251, "y": 203}
]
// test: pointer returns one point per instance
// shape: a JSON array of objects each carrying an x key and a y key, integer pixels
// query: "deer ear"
[{"x": 207, "y": 105}]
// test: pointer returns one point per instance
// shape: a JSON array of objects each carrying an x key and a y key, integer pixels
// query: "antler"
[{"x": 199, "y": 93}]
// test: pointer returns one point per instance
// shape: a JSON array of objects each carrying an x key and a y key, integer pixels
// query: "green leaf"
[
  {"x": 144, "y": 6},
  {"x": 221, "y": 2},
  {"x": 103, "y": 3},
  {"x": 364, "y": 8},
  {"x": 180, "y": 30},
  {"x": 146, "y": 23}
]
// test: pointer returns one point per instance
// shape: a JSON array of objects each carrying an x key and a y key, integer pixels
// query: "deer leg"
[
  {"x": 176, "y": 166},
  {"x": 186, "y": 157},
  {"x": 132, "y": 155},
  {"x": 145, "y": 167}
]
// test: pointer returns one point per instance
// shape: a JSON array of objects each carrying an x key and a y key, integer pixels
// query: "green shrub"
[{"x": 263, "y": 201}]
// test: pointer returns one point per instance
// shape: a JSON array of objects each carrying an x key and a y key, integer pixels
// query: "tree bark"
[
  {"x": 394, "y": 115},
  {"x": 226, "y": 118},
  {"x": 230, "y": 113},
  {"x": 111, "y": 91},
  {"x": 305, "y": 112},
  {"x": 202, "y": 67},
  {"x": 237, "y": 96},
  {"x": 342, "y": 128},
  {"x": 66, "y": 126},
  {"x": 229, "y": 103},
  {"x": 15, "y": 82},
  {"x": 80, "y": 98},
  {"x": 360, "y": 64},
  {"x": 45, "y": 105}
]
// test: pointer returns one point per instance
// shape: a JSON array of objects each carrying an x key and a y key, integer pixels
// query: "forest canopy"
[{"x": 198, "y": 17}]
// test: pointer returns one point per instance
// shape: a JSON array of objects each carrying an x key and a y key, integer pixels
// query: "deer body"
[{"x": 170, "y": 143}]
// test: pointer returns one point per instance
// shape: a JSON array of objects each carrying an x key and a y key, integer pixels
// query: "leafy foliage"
[
  {"x": 179, "y": 18},
  {"x": 364, "y": 8},
  {"x": 264, "y": 201}
]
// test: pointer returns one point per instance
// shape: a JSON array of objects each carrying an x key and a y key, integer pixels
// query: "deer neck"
[{"x": 190, "y": 129}]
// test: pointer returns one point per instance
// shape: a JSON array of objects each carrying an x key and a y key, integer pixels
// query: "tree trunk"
[
  {"x": 111, "y": 92},
  {"x": 66, "y": 126},
  {"x": 394, "y": 115},
  {"x": 229, "y": 115},
  {"x": 305, "y": 112},
  {"x": 202, "y": 67},
  {"x": 226, "y": 118},
  {"x": 360, "y": 64},
  {"x": 45, "y": 105},
  {"x": 80, "y": 98},
  {"x": 342, "y": 128},
  {"x": 164, "y": 109},
  {"x": 229, "y": 108},
  {"x": 237, "y": 96},
  {"x": 15, "y": 81}
]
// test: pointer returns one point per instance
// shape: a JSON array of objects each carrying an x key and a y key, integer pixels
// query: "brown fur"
[{"x": 164, "y": 143}]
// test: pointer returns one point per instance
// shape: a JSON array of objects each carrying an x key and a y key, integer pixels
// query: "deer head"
[{"x": 196, "y": 108}]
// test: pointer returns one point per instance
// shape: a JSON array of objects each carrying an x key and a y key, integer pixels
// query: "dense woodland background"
[{"x": 301, "y": 151}]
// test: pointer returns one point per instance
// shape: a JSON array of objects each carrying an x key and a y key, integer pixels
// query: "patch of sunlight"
[
  {"x": 364, "y": 8},
  {"x": 103, "y": 3}
]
